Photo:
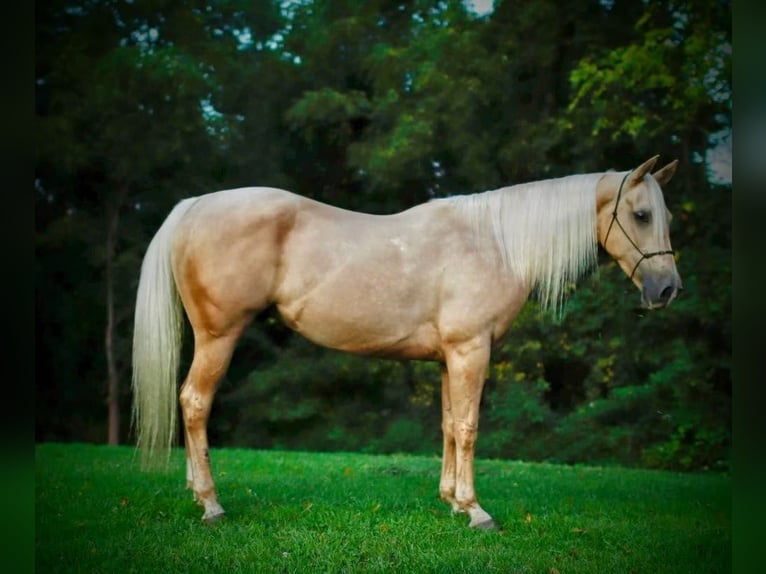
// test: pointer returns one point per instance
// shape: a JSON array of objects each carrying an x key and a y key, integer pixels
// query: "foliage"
[
  {"x": 318, "y": 400},
  {"x": 351, "y": 512},
  {"x": 377, "y": 106}
]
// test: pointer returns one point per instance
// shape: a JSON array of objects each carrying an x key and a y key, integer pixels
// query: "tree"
[
  {"x": 670, "y": 87},
  {"x": 125, "y": 128}
]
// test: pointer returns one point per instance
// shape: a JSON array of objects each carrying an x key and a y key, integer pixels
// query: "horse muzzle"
[{"x": 658, "y": 292}]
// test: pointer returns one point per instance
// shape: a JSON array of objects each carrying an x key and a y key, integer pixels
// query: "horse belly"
[
  {"x": 354, "y": 338},
  {"x": 364, "y": 319}
]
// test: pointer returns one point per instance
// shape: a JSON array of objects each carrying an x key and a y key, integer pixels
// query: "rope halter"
[{"x": 633, "y": 243}]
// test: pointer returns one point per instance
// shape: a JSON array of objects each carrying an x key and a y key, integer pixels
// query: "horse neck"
[{"x": 544, "y": 232}]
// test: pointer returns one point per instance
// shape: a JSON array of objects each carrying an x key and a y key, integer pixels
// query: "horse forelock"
[
  {"x": 658, "y": 207},
  {"x": 545, "y": 231}
]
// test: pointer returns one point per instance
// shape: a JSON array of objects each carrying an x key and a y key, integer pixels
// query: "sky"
[{"x": 481, "y": 7}]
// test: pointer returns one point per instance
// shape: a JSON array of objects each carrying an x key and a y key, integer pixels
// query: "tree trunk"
[{"x": 113, "y": 377}]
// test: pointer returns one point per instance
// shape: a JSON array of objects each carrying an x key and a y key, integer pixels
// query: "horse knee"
[
  {"x": 448, "y": 430},
  {"x": 466, "y": 436}
]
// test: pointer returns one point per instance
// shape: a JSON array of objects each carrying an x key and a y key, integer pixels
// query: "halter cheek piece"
[{"x": 633, "y": 243}]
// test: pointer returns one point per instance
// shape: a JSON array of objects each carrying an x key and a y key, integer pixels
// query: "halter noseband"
[{"x": 633, "y": 243}]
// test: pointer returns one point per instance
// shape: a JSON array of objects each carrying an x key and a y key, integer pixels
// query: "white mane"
[{"x": 545, "y": 231}]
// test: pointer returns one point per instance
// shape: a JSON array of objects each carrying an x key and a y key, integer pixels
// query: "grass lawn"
[{"x": 344, "y": 512}]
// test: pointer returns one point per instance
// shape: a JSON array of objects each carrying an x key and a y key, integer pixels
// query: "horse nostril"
[{"x": 667, "y": 293}]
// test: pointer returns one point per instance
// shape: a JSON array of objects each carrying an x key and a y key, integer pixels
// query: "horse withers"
[{"x": 441, "y": 281}]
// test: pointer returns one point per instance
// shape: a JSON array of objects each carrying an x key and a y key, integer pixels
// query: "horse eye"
[{"x": 641, "y": 216}]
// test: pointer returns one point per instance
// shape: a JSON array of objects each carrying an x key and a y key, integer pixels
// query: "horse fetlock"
[
  {"x": 206, "y": 498},
  {"x": 448, "y": 496}
]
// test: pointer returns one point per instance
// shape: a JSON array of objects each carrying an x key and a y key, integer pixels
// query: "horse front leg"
[
  {"x": 467, "y": 369},
  {"x": 211, "y": 359},
  {"x": 447, "y": 482}
]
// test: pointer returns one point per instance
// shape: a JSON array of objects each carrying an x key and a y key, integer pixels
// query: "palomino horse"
[{"x": 441, "y": 281}]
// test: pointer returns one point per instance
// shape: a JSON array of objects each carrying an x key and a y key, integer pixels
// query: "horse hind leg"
[{"x": 211, "y": 359}]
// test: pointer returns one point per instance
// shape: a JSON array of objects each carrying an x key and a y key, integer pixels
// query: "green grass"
[{"x": 306, "y": 512}]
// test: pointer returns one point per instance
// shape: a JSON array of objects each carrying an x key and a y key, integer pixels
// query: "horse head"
[{"x": 633, "y": 227}]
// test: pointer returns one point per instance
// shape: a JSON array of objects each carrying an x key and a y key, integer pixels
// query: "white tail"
[{"x": 157, "y": 337}]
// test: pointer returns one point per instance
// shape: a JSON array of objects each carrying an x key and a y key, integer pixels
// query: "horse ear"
[
  {"x": 663, "y": 175},
  {"x": 637, "y": 175}
]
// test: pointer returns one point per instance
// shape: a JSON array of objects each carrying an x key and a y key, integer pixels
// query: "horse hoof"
[
  {"x": 486, "y": 525},
  {"x": 213, "y": 517}
]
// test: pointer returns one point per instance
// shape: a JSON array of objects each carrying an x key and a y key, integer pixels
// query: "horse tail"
[{"x": 157, "y": 337}]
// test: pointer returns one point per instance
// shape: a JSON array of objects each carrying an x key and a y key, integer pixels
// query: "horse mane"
[{"x": 545, "y": 231}]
